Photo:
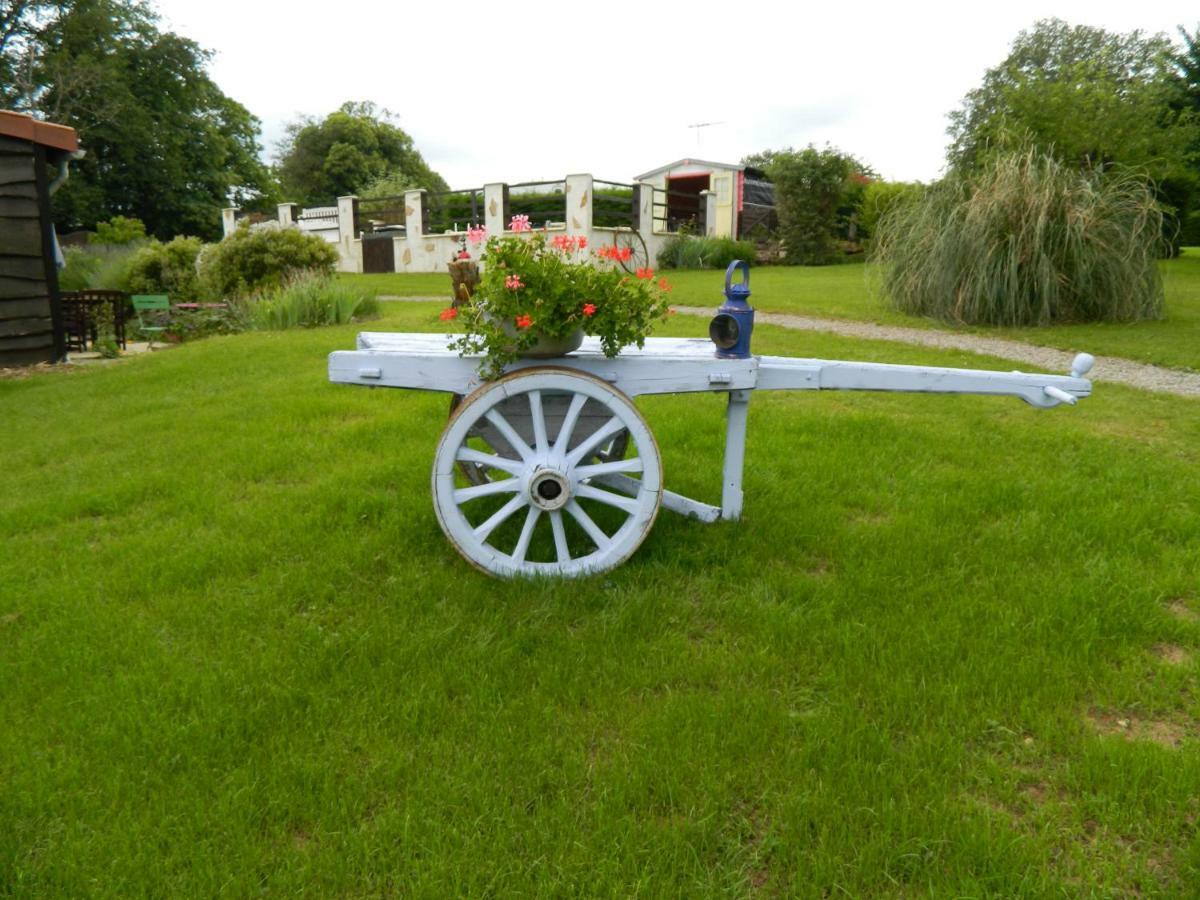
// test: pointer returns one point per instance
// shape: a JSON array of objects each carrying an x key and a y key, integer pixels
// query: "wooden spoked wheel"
[
  {"x": 639, "y": 256},
  {"x": 549, "y": 505}
]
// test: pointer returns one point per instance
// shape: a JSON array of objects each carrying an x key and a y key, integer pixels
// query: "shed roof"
[
  {"x": 48, "y": 134},
  {"x": 689, "y": 162}
]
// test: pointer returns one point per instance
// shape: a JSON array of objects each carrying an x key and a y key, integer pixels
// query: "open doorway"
[{"x": 684, "y": 203}]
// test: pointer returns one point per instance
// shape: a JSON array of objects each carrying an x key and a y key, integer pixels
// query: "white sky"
[{"x": 526, "y": 90}]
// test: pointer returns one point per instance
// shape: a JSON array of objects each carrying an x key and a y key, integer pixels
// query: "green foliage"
[
  {"x": 253, "y": 259},
  {"x": 98, "y": 267},
  {"x": 816, "y": 192},
  {"x": 1023, "y": 239},
  {"x": 1093, "y": 99},
  {"x": 685, "y": 251},
  {"x": 351, "y": 150},
  {"x": 880, "y": 196},
  {"x": 119, "y": 230},
  {"x": 558, "y": 291},
  {"x": 164, "y": 144},
  {"x": 308, "y": 300},
  {"x": 166, "y": 269}
]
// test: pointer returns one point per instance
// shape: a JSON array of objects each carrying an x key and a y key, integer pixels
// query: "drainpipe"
[{"x": 64, "y": 169}]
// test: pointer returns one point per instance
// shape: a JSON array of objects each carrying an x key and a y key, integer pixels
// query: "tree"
[
  {"x": 163, "y": 143},
  {"x": 816, "y": 195},
  {"x": 1092, "y": 99},
  {"x": 346, "y": 152}
]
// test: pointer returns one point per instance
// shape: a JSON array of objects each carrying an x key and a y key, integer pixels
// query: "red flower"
[
  {"x": 463, "y": 254},
  {"x": 664, "y": 284},
  {"x": 514, "y": 282},
  {"x": 523, "y": 321},
  {"x": 645, "y": 273},
  {"x": 589, "y": 309},
  {"x": 624, "y": 253},
  {"x": 447, "y": 314},
  {"x": 581, "y": 241}
]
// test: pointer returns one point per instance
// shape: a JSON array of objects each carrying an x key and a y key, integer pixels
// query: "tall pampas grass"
[{"x": 1024, "y": 240}]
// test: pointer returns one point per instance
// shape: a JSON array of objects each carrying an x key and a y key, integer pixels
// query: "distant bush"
[
  {"x": 306, "y": 301},
  {"x": 684, "y": 251},
  {"x": 255, "y": 260},
  {"x": 817, "y": 193},
  {"x": 1025, "y": 240},
  {"x": 97, "y": 267},
  {"x": 880, "y": 196},
  {"x": 119, "y": 230},
  {"x": 166, "y": 269}
]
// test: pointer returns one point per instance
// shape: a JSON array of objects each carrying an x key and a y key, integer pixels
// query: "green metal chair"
[{"x": 150, "y": 303}]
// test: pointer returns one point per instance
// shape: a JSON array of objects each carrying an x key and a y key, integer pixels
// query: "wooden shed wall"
[{"x": 28, "y": 278}]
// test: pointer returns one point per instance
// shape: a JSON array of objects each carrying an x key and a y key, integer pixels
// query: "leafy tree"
[
  {"x": 347, "y": 152},
  {"x": 119, "y": 230},
  {"x": 1093, "y": 99},
  {"x": 816, "y": 196},
  {"x": 163, "y": 143}
]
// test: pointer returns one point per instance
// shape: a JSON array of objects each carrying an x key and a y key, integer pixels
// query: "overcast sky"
[{"x": 526, "y": 90}]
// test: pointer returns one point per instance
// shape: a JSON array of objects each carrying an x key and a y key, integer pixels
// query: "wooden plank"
[
  {"x": 15, "y": 145},
  {"x": 16, "y": 169},
  {"x": 29, "y": 342},
  {"x": 41, "y": 325},
  {"x": 28, "y": 357},
  {"x": 20, "y": 309},
  {"x": 18, "y": 207},
  {"x": 23, "y": 267},
  {"x": 20, "y": 237},
  {"x": 18, "y": 288},
  {"x": 56, "y": 306},
  {"x": 19, "y": 189}
]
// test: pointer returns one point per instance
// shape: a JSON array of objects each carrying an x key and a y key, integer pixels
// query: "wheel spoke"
[
  {"x": 599, "y": 538},
  {"x": 609, "y": 468},
  {"x": 560, "y": 536},
  {"x": 611, "y": 427},
  {"x": 470, "y": 455},
  {"x": 539, "y": 422},
  {"x": 498, "y": 517},
  {"x": 510, "y": 434},
  {"x": 507, "y": 486},
  {"x": 628, "y": 504},
  {"x": 522, "y": 547},
  {"x": 568, "y": 425}
]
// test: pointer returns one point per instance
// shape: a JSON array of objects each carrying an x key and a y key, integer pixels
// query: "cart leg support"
[{"x": 735, "y": 454}]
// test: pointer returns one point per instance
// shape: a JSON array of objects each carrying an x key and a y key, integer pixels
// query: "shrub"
[
  {"x": 307, "y": 300},
  {"x": 683, "y": 251},
  {"x": 816, "y": 194},
  {"x": 880, "y": 196},
  {"x": 166, "y": 269},
  {"x": 97, "y": 267},
  {"x": 1025, "y": 240},
  {"x": 119, "y": 230},
  {"x": 254, "y": 260}
]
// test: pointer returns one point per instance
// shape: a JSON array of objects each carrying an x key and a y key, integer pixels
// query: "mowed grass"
[{"x": 951, "y": 649}]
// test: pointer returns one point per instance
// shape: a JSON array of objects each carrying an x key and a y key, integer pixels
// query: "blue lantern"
[{"x": 730, "y": 329}]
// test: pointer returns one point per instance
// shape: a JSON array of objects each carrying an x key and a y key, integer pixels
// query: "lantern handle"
[{"x": 745, "y": 267}]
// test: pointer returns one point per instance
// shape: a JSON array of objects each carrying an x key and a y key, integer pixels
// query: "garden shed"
[
  {"x": 33, "y": 162},
  {"x": 742, "y": 195}
]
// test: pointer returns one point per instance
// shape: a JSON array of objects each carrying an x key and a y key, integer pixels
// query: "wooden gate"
[{"x": 378, "y": 253}]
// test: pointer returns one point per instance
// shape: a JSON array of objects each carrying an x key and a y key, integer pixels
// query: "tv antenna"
[{"x": 700, "y": 125}]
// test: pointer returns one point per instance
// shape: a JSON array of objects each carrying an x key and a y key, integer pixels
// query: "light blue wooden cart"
[{"x": 552, "y": 470}]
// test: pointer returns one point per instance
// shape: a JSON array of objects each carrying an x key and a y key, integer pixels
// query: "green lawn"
[
  {"x": 847, "y": 292},
  {"x": 238, "y": 657}
]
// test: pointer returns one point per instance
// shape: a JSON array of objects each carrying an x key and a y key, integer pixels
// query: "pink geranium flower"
[
  {"x": 514, "y": 282},
  {"x": 520, "y": 223},
  {"x": 476, "y": 234}
]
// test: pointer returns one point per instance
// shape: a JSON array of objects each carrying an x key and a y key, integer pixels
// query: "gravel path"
[{"x": 1108, "y": 368}]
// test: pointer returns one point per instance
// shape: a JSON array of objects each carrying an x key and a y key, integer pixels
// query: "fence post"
[
  {"x": 495, "y": 202},
  {"x": 414, "y": 214},
  {"x": 644, "y": 196},
  {"x": 287, "y": 214},
  {"x": 579, "y": 204},
  {"x": 229, "y": 220},
  {"x": 708, "y": 200},
  {"x": 347, "y": 212}
]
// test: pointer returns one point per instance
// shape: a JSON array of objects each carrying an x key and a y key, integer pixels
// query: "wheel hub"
[{"x": 549, "y": 489}]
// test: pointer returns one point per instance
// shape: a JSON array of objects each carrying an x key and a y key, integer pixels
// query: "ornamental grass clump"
[
  {"x": 307, "y": 300},
  {"x": 535, "y": 287},
  {"x": 1024, "y": 240}
]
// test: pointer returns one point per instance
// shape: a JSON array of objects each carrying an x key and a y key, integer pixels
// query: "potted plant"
[{"x": 539, "y": 295}]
